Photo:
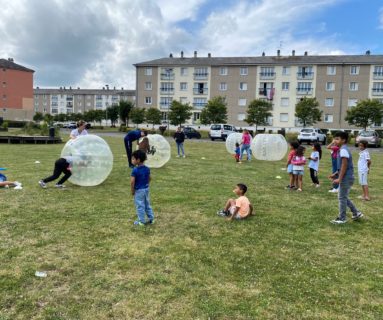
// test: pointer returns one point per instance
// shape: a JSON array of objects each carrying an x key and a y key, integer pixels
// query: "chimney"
[
  {"x": 10, "y": 59},
  {"x": 182, "y": 54},
  {"x": 278, "y": 53},
  {"x": 103, "y": 88},
  {"x": 368, "y": 52},
  {"x": 195, "y": 54},
  {"x": 263, "y": 53},
  {"x": 64, "y": 88},
  {"x": 306, "y": 53},
  {"x": 78, "y": 88},
  {"x": 70, "y": 88},
  {"x": 293, "y": 53},
  {"x": 122, "y": 88},
  {"x": 209, "y": 55},
  {"x": 171, "y": 55}
]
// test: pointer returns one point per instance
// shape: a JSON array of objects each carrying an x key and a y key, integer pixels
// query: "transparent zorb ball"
[
  {"x": 92, "y": 160},
  {"x": 269, "y": 147},
  {"x": 232, "y": 139},
  {"x": 158, "y": 153}
]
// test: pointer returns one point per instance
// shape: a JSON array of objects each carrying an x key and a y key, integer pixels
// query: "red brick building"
[{"x": 16, "y": 91}]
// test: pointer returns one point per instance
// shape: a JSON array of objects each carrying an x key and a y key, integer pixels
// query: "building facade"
[
  {"x": 68, "y": 100},
  {"x": 338, "y": 83},
  {"x": 16, "y": 90}
]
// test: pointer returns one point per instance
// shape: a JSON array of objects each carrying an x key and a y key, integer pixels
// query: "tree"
[
  {"x": 125, "y": 110},
  {"x": 112, "y": 114},
  {"x": 215, "y": 111},
  {"x": 137, "y": 115},
  {"x": 38, "y": 117},
  {"x": 307, "y": 111},
  {"x": 99, "y": 115},
  {"x": 61, "y": 117},
  {"x": 48, "y": 118},
  {"x": 89, "y": 116},
  {"x": 365, "y": 113},
  {"x": 258, "y": 113},
  {"x": 153, "y": 116},
  {"x": 179, "y": 113}
]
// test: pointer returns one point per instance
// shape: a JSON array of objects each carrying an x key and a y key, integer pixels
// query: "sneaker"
[
  {"x": 42, "y": 184},
  {"x": 222, "y": 213},
  {"x": 333, "y": 190},
  {"x": 317, "y": 186},
  {"x": 299, "y": 189},
  {"x": 183, "y": 156},
  {"x": 60, "y": 186},
  {"x": 151, "y": 221},
  {"x": 17, "y": 184},
  {"x": 338, "y": 221},
  {"x": 357, "y": 216},
  {"x": 138, "y": 223},
  {"x": 178, "y": 155},
  {"x": 288, "y": 187}
]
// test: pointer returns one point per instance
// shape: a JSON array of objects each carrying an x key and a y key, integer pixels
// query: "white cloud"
[{"x": 174, "y": 10}]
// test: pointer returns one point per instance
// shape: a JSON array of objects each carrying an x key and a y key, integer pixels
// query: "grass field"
[{"x": 287, "y": 262}]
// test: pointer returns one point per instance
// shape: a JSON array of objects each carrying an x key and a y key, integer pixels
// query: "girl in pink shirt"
[{"x": 246, "y": 140}]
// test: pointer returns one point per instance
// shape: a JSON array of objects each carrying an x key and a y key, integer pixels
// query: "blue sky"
[{"x": 99, "y": 42}]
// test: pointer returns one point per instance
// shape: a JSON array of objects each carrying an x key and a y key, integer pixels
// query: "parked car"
[
  {"x": 70, "y": 125},
  {"x": 310, "y": 135},
  {"x": 191, "y": 133},
  {"x": 370, "y": 136},
  {"x": 221, "y": 131}
]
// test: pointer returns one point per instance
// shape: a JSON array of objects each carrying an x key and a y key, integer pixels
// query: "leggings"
[
  {"x": 314, "y": 176},
  {"x": 61, "y": 166}
]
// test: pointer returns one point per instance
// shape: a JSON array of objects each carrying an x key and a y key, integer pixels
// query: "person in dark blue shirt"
[
  {"x": 139, "y": 184},
  {"x": 132, "y": 136}
]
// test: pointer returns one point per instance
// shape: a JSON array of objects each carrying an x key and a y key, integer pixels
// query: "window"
[
  {"x": 352, "y": 102},
  {"x": 200, "y": 88},
  {"x": 331, "y": 70},
  {"x": 98, "y": 97},
  {"x": 305, "y": 72},
  {"x": 4, "y": 84},
  {"x": 223, "y": 86},
  {"x": 354, "y": 70},
  {"x": 242, "y": 102},
  {"x": 184, "y": 72},
  {"x": 148, "y": 71},
  {"x": 354, "y": 86},
  {"x": 329, "y": 102},
  {"x": 286, "y": 71},
  {"x": 183, "y": 86},
  {"x": 378, "y": 72},
  {"x": 99, "y": 104},
  {"x": 330, "y": 86},
  {"x": 267, "y": 72},
  {"x": 243, "y": 71},
  {"x": 199, "y": 103},
  {"x": 241, "y": 117},
  {"x": 284, "y": 117},
  {"x": 328, "y": 118},
  {"x": 167, "y": 87},
  {"x": 148, "y": 100},
  {"x": 201, "y": 73},
  {"x": 304, "y": 87},
  {"x": 243, "y": 86},
  {"x": 165, "y": 102},
  {"x": 223, "y": 71},
  {"x": 285, "y": 86},
  {"x": 285, "y": 102},
  {"x": 377, "y": 88},
  {"x": 148, "y": 86}
]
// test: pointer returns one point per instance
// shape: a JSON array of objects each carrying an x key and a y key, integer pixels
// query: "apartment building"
[
  {"x": 69, "y": 100},
  {"x": 338, "y": 83},
  {"x": 16, "y": 90}
]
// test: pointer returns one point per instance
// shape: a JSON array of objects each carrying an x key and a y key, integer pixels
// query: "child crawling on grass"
[{"x": 239, "y": 208}]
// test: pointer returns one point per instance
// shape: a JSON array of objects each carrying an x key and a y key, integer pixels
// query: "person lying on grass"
[
  {"x": 239, "y": 208},
  {"x": 4, "y": 183}
]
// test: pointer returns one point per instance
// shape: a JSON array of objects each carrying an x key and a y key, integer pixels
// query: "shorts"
[
  {"x": 363, "y": 181},
  {"x": 298, "y": 172},
  {"x": 290, "y": 168},
  {"x": 232, "y": 210}
]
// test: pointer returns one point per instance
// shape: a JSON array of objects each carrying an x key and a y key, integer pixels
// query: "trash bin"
[{"x": 51, "y": 132}]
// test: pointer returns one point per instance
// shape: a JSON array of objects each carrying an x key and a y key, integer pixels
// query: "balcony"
[
  {"x": 201, "y": 76},
  {"x": 200, "y": 91},
  {"x": 377, "y": 91},
  {"x": 165, "y": 105},
  {"x": 305, "y": 75},
  {"x": 378, "y": 75},
  {"x": 167, "y": 90},
  {"x": 305, "y": 91},
  {"x": 167, "y": 76},
  {"x": 267, "y": 75},
  {"x": 199, "y": 105}
]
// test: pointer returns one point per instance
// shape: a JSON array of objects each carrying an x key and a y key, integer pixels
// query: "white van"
[{"x": 221, "y": 131}]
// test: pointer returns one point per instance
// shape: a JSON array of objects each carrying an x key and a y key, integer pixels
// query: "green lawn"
[{"x": 287, "y": 262}]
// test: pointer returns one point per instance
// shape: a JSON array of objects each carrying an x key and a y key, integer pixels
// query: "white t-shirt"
[
  {"x": 364, "y": 156},
  {"x": 314, "y": 164},
  {"x": 344, "y": 153},
  {"x": 75, "y": 133}
]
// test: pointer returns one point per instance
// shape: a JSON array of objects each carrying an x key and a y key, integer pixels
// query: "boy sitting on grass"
[{"x": 239, "y": 208}]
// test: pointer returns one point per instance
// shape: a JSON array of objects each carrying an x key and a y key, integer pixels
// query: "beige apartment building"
[
  {"x": 69, "y": 100},
  {"x": 338, "y": 83}
]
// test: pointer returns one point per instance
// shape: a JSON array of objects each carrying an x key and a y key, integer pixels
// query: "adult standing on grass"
[
  {"x": 80, "y": 131},
  {"x": 334, "y": 162},
  {"x": 130, "y": 137},
  {"x": 179, "y": 137},
  {"x": 246, "y": 140}
]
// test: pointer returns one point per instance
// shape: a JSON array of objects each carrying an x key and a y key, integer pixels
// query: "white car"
[
  {"x": 312, "y": 135},
  {"x": 221, "y": 131}
]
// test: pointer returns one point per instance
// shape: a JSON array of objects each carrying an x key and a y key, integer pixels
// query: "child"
[
  {"x": 237, "y": 153},
  {"x": 345, "y": 179},
  {"x": 315, "y": 156},
  {"x": 334, "y": 162},
  {"x": 293, "y": 147},
  {"x": 239, "y": 208},
  {"x": 179, "y": 137},
  {"x": 144, "y": 145},
  {"x": 62, "y": 165},
  {"x": 139, "y": 183},
  {"x": 298, "y": 162},
  {"x": 246, "y": 141},
  {"x": 4, "y": 183},
  {"x": 364, "y": 164}
]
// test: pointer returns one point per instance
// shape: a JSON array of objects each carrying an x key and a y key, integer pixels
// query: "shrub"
[{"x": 291, "y": 136}]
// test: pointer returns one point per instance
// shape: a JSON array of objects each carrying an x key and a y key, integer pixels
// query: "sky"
[{"x": 93, "y": 43}]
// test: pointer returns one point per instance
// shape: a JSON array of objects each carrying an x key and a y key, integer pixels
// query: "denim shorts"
[
  {"x": 290, "y": 168},
  {"x": 298, "y": 172}
]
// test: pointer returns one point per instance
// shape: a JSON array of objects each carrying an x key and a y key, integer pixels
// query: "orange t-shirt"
[{"x": 243, "y": 204}]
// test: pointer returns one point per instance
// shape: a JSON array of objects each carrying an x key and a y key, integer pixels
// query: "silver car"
[{"x": 370, "y": 136}]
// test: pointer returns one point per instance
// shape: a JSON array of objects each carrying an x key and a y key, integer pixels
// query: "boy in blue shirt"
[
  {"x": 132, "y": 136},
  {"x": 139, "y": 184},
  {"x": 345, "y": 179}
]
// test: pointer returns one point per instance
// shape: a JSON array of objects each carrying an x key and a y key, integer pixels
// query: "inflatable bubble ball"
[
  {"x": 157, "y": 152},
  {"x": 92, "y": 160},
  {"x": 231, "y": 140},
  {"x": 269, "y": 147}
]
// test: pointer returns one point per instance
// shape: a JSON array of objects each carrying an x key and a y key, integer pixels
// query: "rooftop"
[
  {"x": 70, "y": 90},
  {"x": 10, "y": 64}
]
